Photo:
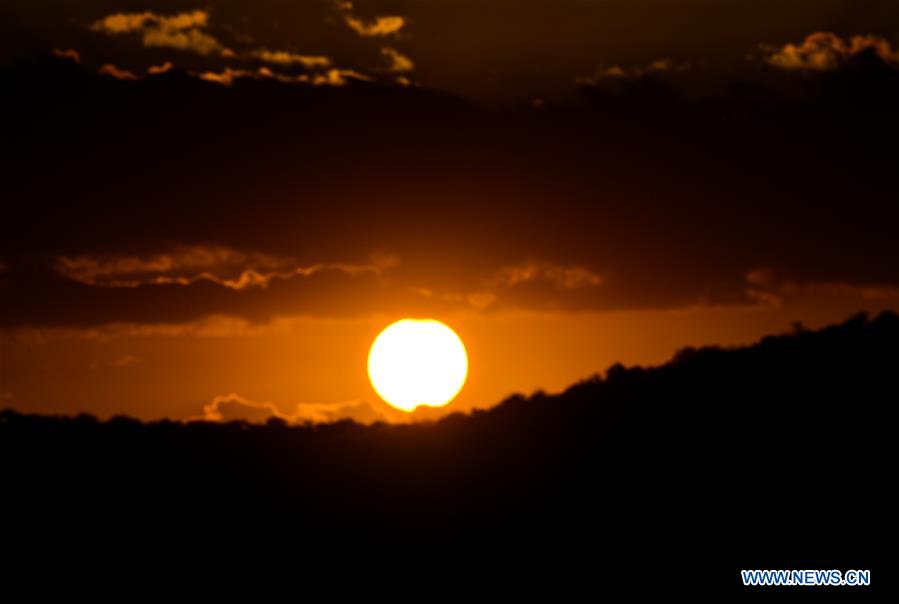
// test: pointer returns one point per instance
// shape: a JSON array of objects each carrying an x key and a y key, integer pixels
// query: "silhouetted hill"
[{"x": 776, "y": 455}]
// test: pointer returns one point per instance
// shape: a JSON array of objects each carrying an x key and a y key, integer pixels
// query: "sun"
[{"x": 417, "y": 362}]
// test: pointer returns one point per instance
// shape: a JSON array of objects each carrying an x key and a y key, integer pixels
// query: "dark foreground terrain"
[{"x": 777, "y": 455}]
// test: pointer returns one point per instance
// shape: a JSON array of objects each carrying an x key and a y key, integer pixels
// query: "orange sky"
[{"x": 173, "y": 371}]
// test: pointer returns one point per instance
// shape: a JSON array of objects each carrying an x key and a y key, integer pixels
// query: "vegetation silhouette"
[{"x": 773, "y": 455}]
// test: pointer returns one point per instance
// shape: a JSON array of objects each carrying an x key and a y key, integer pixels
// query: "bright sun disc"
[{"x": 417, "y": 362}]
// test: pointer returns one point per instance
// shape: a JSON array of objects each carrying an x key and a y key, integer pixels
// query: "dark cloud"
[
  {"x": 47, "y": 298},
  {"x": 379, "y": 26},
  {"x": 68, "y": 53},
  {"x": 161, "y": 68},
  {"x": 627, "y": 76},
  {"x": 823, "y": 51},
  {"x": 639, "y": 193},
  {"x": 116, "y": 72},
  {"x": 185, "y": 266},
  {"x": 182, "y": 31},
  {"x": 281, "y": 57},
  {"x": 399, "y": 62}
]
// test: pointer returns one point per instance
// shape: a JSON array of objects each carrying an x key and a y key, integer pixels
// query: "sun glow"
[{"x": 417, "y": 362}]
